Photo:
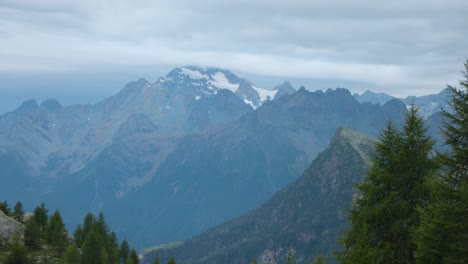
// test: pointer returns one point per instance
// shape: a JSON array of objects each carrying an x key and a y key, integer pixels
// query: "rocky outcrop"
[{"x": 9, "y": 227}]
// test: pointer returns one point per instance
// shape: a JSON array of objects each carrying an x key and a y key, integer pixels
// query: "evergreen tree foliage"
[
  {"x": 57, "y": 235},
  {"x": 442, "y": 236},
  {"x": 385, "y": 213},
  {"x": 94, "y": 242},
  {"x": 5, "y": 208},
  {"x": 171, "y": 261},
  {"x": 78, "y": 235},
  {"x": 290, "y": 258},
  {"x": 113, "y": 248},
  {"x": 32, "y": 234},
  {"x": 41, "y": 214},
  {"x": 133, "y": 258},
  {"x": 124, "y": 251},
  {"x": 157, "y": 260},
  {"x": 18, "y": 252},
  {"x": 72, "y": 255},
  {"x": 88, "y": 222},
  {"x": 93, "y": 250},
  {"x": 18, "y": 212},
  {"x": 320, "y": 259}
]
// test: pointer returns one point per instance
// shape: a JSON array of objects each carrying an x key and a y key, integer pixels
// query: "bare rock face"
[{"x": 9, "y": 227}]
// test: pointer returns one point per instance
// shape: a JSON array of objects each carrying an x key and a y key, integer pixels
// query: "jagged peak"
[
  {"x": 51, "y": 105},
  {"x": 360, "y": 142},
  {"x": 27, "y": 106},
  {"x": 339, "y": 90}
]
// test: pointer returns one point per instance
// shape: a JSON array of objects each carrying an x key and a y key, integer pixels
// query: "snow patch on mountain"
[
  {"x": 265, "y": 94},
  {"x": 193, "y": 74},
  {"x": 221, "y": 81},
  {"x": 249, "y": 103}
]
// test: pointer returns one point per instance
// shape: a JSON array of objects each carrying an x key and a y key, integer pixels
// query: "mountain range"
[
  {"x": 168, "y": 160},
  {"x": 307, "y": 217},
  {"x": 428, "y": 104}
]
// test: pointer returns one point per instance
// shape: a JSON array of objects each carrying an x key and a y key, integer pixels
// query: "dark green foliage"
[
  {"x": 171, "y": 261},
  {"x": 94, "y": 243},
  {"x": 443, "y": 234},
  {"x": 291, "y": 258},
  {"x": 124, "y": 251},
  {"x": 385, "y": 213},
  {"x": 41, "y": 214},
  {"x": 156, "y": 260},
  {"x": 113, "y": 248},
  {"x": 18, "y": 253},
  {"x": 18, "y": 212},
  {"x": 88, "y": 222},
  {"x": 93, "y": 251},
  {"x": 5, "y": 208},
  {"x": 57, "y": 235},
  {"x": 32, "y": 234},
  {"x": 78, "y": 235},
  {"x": 97, "y": 242},
  {"x": 72, "y": 255},
  {"x": 133, "y": 258},
  {"x": 320, "y": 259}
]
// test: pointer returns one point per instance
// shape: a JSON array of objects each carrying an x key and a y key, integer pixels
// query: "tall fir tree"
[
  {"x": 385, "y": 214},
  {"x": 157, "y": 260},
  {"x": 133, "y": 258},
  {"x": 93, "y": 251},
  {"x": 124, "y": 251},
  {"x": 32, "y": 234},
  {"x": 57, "y": 235},
  {"x": 18, "y": 212},
  {"x": 442, "y": 236},
  {"x": 41, "y": 214}
]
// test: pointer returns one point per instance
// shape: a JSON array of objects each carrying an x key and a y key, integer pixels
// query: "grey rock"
[{"x": 9, "y": 228}]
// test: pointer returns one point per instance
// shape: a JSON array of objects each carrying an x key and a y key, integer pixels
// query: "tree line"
[{"x": 46, "y": 240}]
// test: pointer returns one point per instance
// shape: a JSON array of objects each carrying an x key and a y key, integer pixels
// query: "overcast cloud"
[{"x": 398, "y": 47}]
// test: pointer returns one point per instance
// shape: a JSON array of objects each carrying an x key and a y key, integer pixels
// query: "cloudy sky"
[{"x": 409, "y": 47}]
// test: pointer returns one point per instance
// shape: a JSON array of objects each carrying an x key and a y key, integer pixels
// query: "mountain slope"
[{"x": 307, "y": 216}]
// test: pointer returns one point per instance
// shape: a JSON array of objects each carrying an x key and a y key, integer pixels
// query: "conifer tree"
[
  {"x": 72, "y": 255},
  {"x": 18, "y": 252},
  {"x": 133, "y": 258},
  {"x": 78, "y": 235},
  {"x": 171, "y": 261},
  {"x": 18, "y": 212},
  {"x": 57, "y": 235},
  {"x": 88, "y": 222},
  {"x": 93, "y": 251},
  {"x": 157, "y": 260},
  {"x": 41, "y": 214},
  {"x": 385, "y": 213},
  {"x": 290, "y": 258},
  {"x": 124, "y": 251},
  {"x": 442, "y": 236},
  {"x": 5, "y": 208},
  {"x": 320, "y": 259},
  {"x": 32, "y": 233}
]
